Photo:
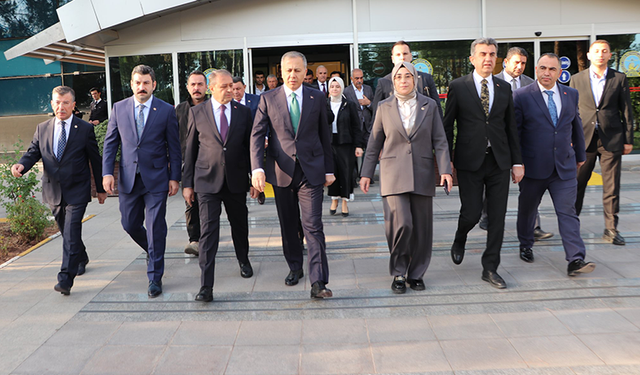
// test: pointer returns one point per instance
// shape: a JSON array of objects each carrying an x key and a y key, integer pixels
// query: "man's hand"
[
  {"x": 253, "y": 192},
  {"x": 16, "y": 170},
  {"x": 173, "y": 187},
  {"x": 448, "y": 178},
  {"x": 329, "y": 179},
  {"x": 94, "y": 122},
  {"x": 580, "y": 164},
  {"x": 364, "y": 184},
  {"x": 517, "y": 172},
  {"x": 102, "y": 197},
  {"x": 359, "y": 151},
  {"x": 627, "y": 149},
  {"x": 258, "y": 181},
  {"x": 188, "y": 195},
  {"x": 364, "y": 101},
  {"x": 108, "y": 183}
]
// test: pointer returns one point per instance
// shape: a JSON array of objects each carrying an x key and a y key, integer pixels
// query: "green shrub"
[
  {"x": 101, "y": 133},
  {"x": 27, "y": 216}
]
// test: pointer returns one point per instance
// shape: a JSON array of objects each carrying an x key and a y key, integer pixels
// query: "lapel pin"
[
  {"x": 422, "y": 108},
  {"x": 154, "y": 108},
  {"x": 75, "y": 126},
  {"x": 311, "y": 97}
]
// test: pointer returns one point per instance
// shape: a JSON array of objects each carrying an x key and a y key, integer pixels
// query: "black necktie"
[{"x": 62, "y": 141}]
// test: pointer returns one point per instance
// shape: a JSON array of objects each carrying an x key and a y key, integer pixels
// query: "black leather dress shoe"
[
  {"x": 319, "y": 290},
  {"x": 457, "y": 252},
  {"x": 399, "y": 285},
  {"x": 580, "y": 266},
  {"x": 205, "y": 294},
  {"x": 484, "y": 223},
  {"x": 246, "y": 270},
  {"x": 416, "y": 284},
  {"x": 155, "y": 288},
  {"x": 62, "y": 289},
  {"x": 494, "y": 279},
  {"x": 613, "y": 236},
  {"x": 293, "y": 277},
  {"x": 539, "y": 234},
  {"x": 526, "y": 254},
  {"x": 82, "y": 268}
]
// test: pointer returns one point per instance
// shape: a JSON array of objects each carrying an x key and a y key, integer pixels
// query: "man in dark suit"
[
  {"x": 361, "y": 94},
  {"x": 308, "y": 79},
  {"x": 248, "y": 100},
  {"x": 98, "y": 107},
  {"x": 426, "y": 86},
  {"x": 514, "y": 64},
  {"x": 197, "y": 88},
  {"x": 146, "y": 129},
  {"x": 216, "y": 168},
  {"x": 605, "y": 108},
  {"x": 299, "y": 163},
  {"x": 66, "y": 145},
  {"x": 486, "y": 148},
  {"x": 552, "y": 147},
  {"x": 321, "y": 82}
]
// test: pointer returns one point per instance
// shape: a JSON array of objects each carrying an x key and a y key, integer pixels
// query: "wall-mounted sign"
[
  {"x": 630, "y": 64},
  {"x": 565, "y": 62},
  {"x": 378, "y": 68},
  {"x": 423, "y": 65},
  {"x": 207, "y": 73},
  {"x": 565, "y": 76}
]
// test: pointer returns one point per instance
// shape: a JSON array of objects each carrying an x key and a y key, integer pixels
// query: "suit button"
[
  {"x": 597, "y": 109},
  {"x": 487, "y": 122},
  {"x": 555, "y": 132},
  {"x": 224, "y": 149},
  {"x": 138, "y": 147},
  {"x": 408, "y": 142}
]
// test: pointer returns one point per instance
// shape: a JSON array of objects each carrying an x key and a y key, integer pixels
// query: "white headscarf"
[{"x": 341, "y": 83}]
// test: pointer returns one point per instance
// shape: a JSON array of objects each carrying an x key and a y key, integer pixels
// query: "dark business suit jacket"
[
  {"x": 209, "y": 162},
  {"x": 613, "y": 114},
  {"x": 426, "y": 87},
  {"x": 524, "y": 80},
  {"x": 364, "y": 112},
  {"x": 98, "y": 111},
  {"x": 546, "y": 147},
  {"x": 406, "y": 161},
  {"x": 347, "y": 123},
  {"x": 157, "y": 154},
  {"x": 465, "y": 108},
  {"x": 251, "y": 101},
  {"x": 69, "y": 178},
  {"x": 311, "y": 145}
]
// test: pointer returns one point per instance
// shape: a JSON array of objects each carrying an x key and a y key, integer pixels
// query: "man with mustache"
[
  {"x": 197, "y": 88},
  {"x": 147, "y": 130}
]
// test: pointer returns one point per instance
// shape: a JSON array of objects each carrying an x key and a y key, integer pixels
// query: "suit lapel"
[
  {"x": 397, "y": 119},
  {"x": 564, "y": 99},
  {"x": 211, "y": 119},
  {"x": 306, "y": 108},
  {"x": 607, "y": 84},
  {"x": 422, "y": 106},
  {"x": 234, "y": 119},
  {"x": 283, "y": 107},
  {"x": 150, "y": 120},
  {"x": 49, "y": 134},
  {"x": 537, "y": 97},
  {"x": 130, "y": 109},
  {"x": 471, "y": 86},
  {"x": 73, "y": 131}
]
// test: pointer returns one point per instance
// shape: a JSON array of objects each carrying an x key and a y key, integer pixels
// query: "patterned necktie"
[
  {"x": 324, "y": 90},
  {"x": 484, "y": 97},
  {"x": 514, "y": 85},
  {"x": 62, "y": 141},
  {"x": 553, "y": 110},
  {"x": 224, "y": 124},
  {"x": 140, "y": 120},
  {"x": 294, "y": 112}
]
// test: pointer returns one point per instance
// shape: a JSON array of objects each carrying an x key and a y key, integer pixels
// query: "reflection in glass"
[
  {"x": 230, "y": 60},
  {"x": 120, "y": 69}
]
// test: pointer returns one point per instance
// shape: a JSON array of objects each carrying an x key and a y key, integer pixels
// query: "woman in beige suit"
[{"x": 407, "y": 135}]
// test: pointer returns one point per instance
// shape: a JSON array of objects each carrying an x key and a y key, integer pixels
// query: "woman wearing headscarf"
[
  {"x": 409, "y": 133},
  {"x": 346, "y": 144}
]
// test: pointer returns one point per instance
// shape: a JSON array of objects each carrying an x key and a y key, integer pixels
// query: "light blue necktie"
[
  {"x": 62, "y": 141},
  {"x": 553, "y": 110},
  {"x": 140, "y": 121}
]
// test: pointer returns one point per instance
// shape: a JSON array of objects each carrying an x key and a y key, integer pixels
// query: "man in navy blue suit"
[
  {"x": 241, "y": 96},
  {"x": 147, "y": 130},
  {"x": 552, "y": 145},
  {"x": 299, "y": 163},
  {"x": 66, "y": 145}
]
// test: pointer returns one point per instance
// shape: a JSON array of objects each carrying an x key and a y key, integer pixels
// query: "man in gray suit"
[
  {"x": 362, "y": 94},
  {"x": 514, "y": 65},
  {"x": 216, "y": 167}
]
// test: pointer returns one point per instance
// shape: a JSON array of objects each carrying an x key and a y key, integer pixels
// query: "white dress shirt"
[
  {"x": 298, "y": 92},
  {"x": 326, "y": 86},
  {"x": 556, "y": 97},
  {"x": 509, "y": 79},
  {"x": 359, "y": 93},
  {"x": 597, "y": 84},
  {"x": 57, "y": 129}
]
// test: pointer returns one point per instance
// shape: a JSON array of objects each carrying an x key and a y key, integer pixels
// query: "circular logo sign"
[
  {"x": 378, "y": 68},
  {"x": 630, "y": 64},
  {"x": 207, "y": 73},
  {"x": 564, "y": 77},
  {"x": 423, "y": 66},
  {"x": 565, "y": 62}
]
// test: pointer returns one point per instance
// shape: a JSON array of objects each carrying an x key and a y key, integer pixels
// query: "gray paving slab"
[
  {"x": 124, "y": 359},
  {"x": 336, "y": 358},
  {"x": 193, "y": 360},
  {"x": 615, "y": 348},
  {"x": 555, "y": 351},
  {"x": 482, "y": 354},
  {"x": 264, "y": 360},
  {"x": 409, "y": 357}
]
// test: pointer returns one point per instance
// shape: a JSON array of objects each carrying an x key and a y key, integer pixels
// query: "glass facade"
[
  {"x": 24, "y": 18},
  {"x": 230, "y": 60},
  {"x": 120, "y": 70},
  {"x": 447, "y": 60}
]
